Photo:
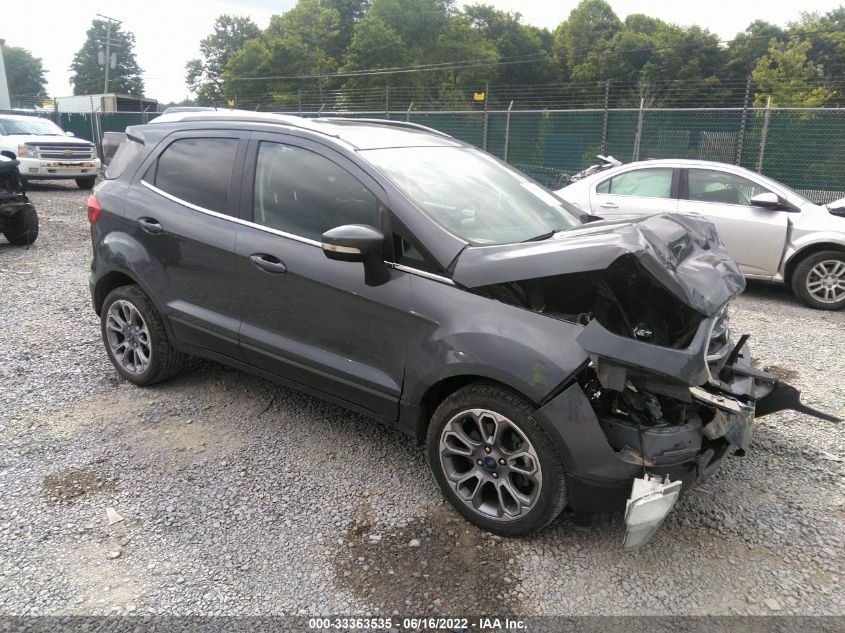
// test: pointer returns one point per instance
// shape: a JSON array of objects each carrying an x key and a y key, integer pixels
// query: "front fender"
[
  {"x": 800, "y": 242},
  {"x": 460, "y": 333}
]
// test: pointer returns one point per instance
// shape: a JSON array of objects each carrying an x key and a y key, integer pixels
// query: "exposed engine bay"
[{"x": 624, "y": 298}]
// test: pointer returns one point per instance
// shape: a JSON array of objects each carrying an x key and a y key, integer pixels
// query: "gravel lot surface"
[{"x": 242, "y": 497}]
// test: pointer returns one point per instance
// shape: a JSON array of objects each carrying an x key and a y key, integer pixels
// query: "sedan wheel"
[
  {"x": 819, "y": 280},
  {"x": 826, "y": 281}
]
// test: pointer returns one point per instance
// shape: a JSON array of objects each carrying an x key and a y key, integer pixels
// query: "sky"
[{"x": 168, "y": 32}]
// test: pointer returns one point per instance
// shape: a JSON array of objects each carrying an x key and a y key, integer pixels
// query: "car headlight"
[{"x": 22, "y": 149}]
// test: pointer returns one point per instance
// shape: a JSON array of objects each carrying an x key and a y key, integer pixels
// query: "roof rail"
[
  {"x": 242, "y": 116},
  {"x": 389, "y": 123}
]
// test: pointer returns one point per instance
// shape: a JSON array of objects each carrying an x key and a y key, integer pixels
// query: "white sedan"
[{"x": 773, "y": 232}]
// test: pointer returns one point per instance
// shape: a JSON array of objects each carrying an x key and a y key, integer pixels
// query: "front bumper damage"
[{"x": 653, "y": 421}]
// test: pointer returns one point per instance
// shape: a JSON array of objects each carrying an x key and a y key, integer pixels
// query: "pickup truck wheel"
[
  {"x": 86, "y": 183},
  {"x": 495, "y": 463},
  {"x": 22, "y": 228},
  {"x": 819, "y": 280},
  {"x": 135, "y": 338}
]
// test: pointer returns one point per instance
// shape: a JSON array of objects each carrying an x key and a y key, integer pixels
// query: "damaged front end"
[{"x": 667, "y": 390}]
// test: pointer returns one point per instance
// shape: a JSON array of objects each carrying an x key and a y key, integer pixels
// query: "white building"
[
  {"x": 5, "y": 102},
  {"x": 111, "y": 102}
]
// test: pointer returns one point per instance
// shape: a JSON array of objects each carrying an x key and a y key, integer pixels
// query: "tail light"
[{"x": 94, "y": 209}]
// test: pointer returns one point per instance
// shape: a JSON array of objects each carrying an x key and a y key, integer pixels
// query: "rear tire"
[
  {"x": 87, "y": 182},
  {"x": 819, "y": 280},
  {"x": 135, "y": 339},
  {"x": 494, "y": 462},
  {"x": 22, "y": 228}
]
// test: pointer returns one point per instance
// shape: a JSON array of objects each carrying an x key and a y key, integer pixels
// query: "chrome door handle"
[
  {"x": 151, "y": 226},
  {"x": 609, "y": 205},
  {"x": 268, "y": 263}
]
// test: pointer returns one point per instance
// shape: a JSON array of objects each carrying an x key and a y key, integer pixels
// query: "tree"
[
  {"x": 25, "y": 75},
  {"x": 374, "y": 45},
  {"x": 514, "y": 41},
  {"x": 295, "y": 43},
  {"x": 87, "y": 74},
  {"x": 828, "y": 40},
  {"x": 205, "y": 76},
  {"x": 585, "y": 36},
  {"x": 748, "y": 47},
  {"x": 789, "y": 77}
]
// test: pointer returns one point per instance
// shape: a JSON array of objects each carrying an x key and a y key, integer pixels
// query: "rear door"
[
  {"x": 306, "y": 318},
  {"x": 635, "y": 192},
  {"x": 182, "y": 213},
  {"x": 755, "y": 236}
]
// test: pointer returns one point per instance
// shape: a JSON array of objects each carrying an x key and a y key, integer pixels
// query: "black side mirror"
[
  {"x": 358, "y": 243},
  {"x": 769, "y": 200}
]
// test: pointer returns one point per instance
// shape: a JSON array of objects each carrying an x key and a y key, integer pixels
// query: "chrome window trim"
[
  {"x": 290, "y": 236},
  {"x": 231, "y": 218},
  {"x": 421, "y": 273}
]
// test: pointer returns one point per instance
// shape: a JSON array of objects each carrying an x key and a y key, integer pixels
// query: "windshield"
[
  {"x": 29, "y": 125},
  {"x": 473, "y": 195}
]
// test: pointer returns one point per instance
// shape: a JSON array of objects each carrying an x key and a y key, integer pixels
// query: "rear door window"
[
  {"x": 646, "y": 183},
  {"x": 198, "y": 171}
]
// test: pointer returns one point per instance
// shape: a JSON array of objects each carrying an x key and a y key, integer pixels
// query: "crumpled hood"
[{"x": 683, "y": 253}]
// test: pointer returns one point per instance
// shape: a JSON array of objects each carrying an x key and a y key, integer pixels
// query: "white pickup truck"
[{"x": 46, "y": 152}]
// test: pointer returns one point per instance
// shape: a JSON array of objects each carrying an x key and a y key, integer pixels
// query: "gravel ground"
[{"x": 241, "y": 497}]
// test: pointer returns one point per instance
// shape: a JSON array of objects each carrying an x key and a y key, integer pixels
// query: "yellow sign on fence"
[{"x": 478, "y": 96}]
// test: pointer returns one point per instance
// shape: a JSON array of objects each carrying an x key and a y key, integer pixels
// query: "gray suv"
[{"x": 545, "y": 357}]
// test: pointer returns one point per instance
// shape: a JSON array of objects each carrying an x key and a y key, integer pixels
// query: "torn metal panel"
[{"x": 683, "y": 253}]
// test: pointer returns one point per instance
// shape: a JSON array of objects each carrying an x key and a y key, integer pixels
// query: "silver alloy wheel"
[
  {"x": 128, "y": 337},
  {"x": 826, "y": 281},
  {"x": 490, "y": 464}
]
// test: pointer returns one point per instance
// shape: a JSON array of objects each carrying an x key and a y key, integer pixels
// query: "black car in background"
[{"x": 546, "y": 358}]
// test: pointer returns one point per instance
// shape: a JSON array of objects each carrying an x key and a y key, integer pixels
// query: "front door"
[
  {"x": 306, "y": 318},
  {"x": 755, "y": 236}
]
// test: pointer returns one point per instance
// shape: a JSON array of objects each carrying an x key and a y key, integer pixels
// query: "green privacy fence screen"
[{"x": 801, "y": 147}]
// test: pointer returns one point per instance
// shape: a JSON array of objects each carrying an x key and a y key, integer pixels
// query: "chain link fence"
[{"x": 801, "y": 147}]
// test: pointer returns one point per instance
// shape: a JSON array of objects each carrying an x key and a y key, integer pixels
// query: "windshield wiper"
[{"x": 539, "y": 238}]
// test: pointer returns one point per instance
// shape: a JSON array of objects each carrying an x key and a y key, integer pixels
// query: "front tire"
[
  {"x": 86, "y": 183},
  {"x": 819, "y": 280},
  {"x": 22, "y": 228},
  {"x": 494, "y": 462},
  {"x": 135, "y": 338}
]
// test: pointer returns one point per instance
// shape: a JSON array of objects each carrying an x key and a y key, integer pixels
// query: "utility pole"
[{"x": 108, "y": 60}]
